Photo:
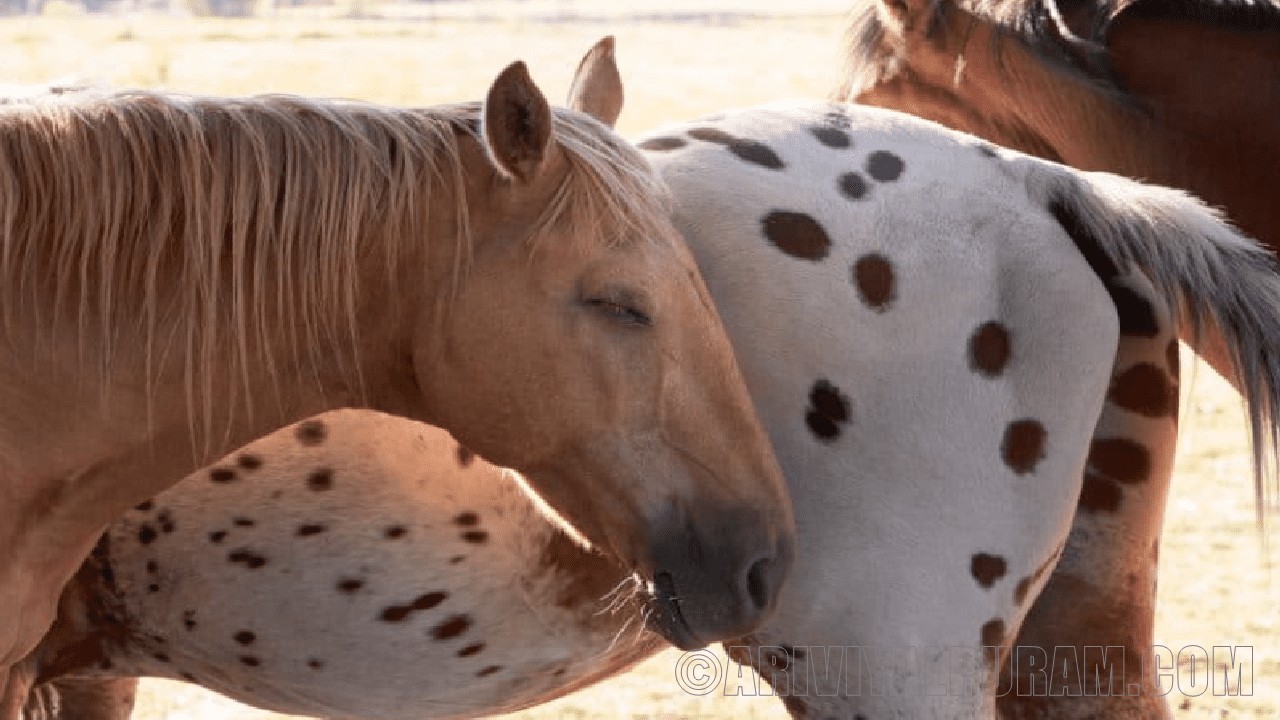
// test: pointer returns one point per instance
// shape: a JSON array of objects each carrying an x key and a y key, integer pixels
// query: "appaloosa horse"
[
  {"x": 285, "y": 577},
  {"x": 1183, "y": 93},
  {"x": 182, "y": 275},
  {"x": 941, "y": 339}
]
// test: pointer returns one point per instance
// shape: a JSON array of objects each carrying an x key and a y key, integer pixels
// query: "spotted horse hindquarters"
[
  {"x": 929, "y": 358},
  {"x": 1093, "y": 622},
  {"x": 283, "y": 578},
  {"x": 1092, "y": 626},
  {"x": 929, "y": 327}
]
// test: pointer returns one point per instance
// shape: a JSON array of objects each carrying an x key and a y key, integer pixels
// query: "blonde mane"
[{"x": 215, "y": 227}]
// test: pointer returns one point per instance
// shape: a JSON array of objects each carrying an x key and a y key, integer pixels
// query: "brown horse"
[
  {"x": 1183, "y": 93},
  {"x": 182, "y": 275}
]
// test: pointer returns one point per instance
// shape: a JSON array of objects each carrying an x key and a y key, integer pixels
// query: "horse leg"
[
  {"x": 57, "y": 523},
  {"x": 36, "y": 626},
  {"x": 1092, "y": 624},
  {"x": 16, "y": 682},
  {"x": 28, "y": 602},
  {"x": 50, "y": 683},
  {"x": 82, "y": 698}
]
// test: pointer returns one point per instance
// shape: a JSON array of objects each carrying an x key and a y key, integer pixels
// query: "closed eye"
[{"x": 620, "y": 313}]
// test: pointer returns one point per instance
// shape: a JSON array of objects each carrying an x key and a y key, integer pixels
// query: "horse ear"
[
  {"x": 516, "y": 124},
  {"x": 597, "y": 86}
]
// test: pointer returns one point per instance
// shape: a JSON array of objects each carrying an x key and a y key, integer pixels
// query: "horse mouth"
[{"x": 667, "y": 619}]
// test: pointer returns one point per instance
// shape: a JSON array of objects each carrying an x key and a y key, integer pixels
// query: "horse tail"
[{"x": 1222, "y": 287}]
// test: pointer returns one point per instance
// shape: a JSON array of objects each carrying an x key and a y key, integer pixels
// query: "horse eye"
[{"x": 620, "y": 313}]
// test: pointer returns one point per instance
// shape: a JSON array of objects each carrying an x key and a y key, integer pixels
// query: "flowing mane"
[
  {"x": 205, "y": 225},
  {"x": 875, "y": 45}
]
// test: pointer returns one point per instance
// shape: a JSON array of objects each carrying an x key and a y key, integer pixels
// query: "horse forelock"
[
  {"x": 875, "y": 49},
  {"x": 214, "y": 228},
  {"x": 609, "y": 194}
]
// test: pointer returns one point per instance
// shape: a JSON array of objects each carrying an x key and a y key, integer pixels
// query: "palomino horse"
[
  {"x": 940, "y": 339},
  {"x": 183, "y": 275},
  {"x": 1183, "y": 93}
]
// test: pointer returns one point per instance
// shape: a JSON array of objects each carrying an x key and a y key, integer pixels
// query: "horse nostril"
[
  {"x": 664, "y": 586},
  {"x": 758, "y": 583},
  {"x": 718, "y": 580}
]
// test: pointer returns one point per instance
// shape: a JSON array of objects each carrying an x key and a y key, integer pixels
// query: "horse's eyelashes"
[{"x": 620, "y": 312}]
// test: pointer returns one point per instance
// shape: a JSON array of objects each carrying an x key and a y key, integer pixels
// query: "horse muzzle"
[{"x": 716, "y": 580}]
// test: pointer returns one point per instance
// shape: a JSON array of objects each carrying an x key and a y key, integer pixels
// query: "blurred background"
[{"x": 679, "y": 59}]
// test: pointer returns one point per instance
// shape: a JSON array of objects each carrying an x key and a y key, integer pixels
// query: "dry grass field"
[{"x": 1215, "y": 586}]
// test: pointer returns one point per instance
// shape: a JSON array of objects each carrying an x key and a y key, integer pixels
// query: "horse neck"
[
  {"x": 1206, "y": 115},
  {"x": 279, "y": 377},
  {"x": 363, "y": 359},
  {"x": 219, "y": 382}
]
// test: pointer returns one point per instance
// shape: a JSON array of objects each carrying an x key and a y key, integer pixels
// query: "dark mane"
[{"x": 1245, "y": 15}]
